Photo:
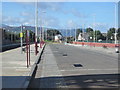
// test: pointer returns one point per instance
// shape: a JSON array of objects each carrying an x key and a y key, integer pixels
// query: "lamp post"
[
  {"x": 116, "y": 27},
  {"x": 66, "y": 35},
  {"x": 83, "y": 32},
  {"x": 44, "y": 27},
  {"x": 94, "y": 28},
  {"x": 21, "y": 38},
  {"x": 75, "y": 34},
  {"x": 36, "y": 28}
]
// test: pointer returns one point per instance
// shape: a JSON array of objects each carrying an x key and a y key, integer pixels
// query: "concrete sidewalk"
[
  {"x": 48, "y": 68},
  {"x": 14, "y": 69}
]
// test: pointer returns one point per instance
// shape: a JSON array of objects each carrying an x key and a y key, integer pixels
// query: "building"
[
  {"x": 83, "y": 37},
  {"x": 58, "y": 38}
]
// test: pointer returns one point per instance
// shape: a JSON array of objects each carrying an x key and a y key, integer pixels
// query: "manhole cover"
[
  {"x": 78, "y": 65},
  {"x": 64, "y": 54}
]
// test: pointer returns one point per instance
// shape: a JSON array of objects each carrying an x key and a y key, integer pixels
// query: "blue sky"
[{"x": 60, "y": 14}]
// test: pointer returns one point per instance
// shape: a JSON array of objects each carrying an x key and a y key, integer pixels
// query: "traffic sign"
[{"x": 21, "y": 34}]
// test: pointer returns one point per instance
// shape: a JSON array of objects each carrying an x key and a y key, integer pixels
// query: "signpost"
[
  {"x": 21, "y": 36},
  {"x": 28, "y": 48}
]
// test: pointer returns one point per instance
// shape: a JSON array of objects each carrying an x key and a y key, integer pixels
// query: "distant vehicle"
[{"x": 100, "y": 40}]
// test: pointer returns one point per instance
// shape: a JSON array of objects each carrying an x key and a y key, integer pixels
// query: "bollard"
[{"x": 117, "y": 48}]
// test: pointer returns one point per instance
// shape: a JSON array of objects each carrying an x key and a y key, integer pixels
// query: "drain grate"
[
  {"x": 64, "y": 54},
  {"x": 78, "y": 65}
]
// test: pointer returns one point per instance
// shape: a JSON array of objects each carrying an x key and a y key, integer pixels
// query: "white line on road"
[
  {"x": 90, "y": 69},
  {"x": 14, "y": 67}
]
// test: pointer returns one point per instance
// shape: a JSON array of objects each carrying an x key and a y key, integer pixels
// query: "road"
[{"x": 64, "y": 66}]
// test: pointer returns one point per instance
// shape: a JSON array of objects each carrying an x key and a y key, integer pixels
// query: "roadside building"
[
  {"x": 83, "y": 37},
  {"x": 58, "y": 38}
]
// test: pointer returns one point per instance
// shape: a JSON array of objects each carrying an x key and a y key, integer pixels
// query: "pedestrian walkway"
[
  {"x": 47, "y": 69},
  {"x": 14, "y": 67}
]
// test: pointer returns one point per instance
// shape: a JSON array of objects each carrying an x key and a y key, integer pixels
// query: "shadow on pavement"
[
  {"x": 90, "y": 82},
  {"x": 13, "y": 82}
]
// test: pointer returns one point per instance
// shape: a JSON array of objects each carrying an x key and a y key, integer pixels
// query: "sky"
[{"x": 61, "y": 15}]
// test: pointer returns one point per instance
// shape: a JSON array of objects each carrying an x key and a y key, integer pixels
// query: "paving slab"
[{"x": 14, "y": 68}]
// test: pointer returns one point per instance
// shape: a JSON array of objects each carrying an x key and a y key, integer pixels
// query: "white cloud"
[
  {"x": 77, "y": 13},
  {"x": 71, "y": 24},
  {"x": 9, "y": 20},
  {"x": 49, "y": 22},
  {"x": 25, "y": 13},
  {"x": 52, "y": 6},
  {"x": 103, "y": 27}
]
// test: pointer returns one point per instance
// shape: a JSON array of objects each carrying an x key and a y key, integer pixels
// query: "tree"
[
  {"x": 118, "y": 35},
  {"x": 96, "y": 34},
  {"x": 78, "y": 31},
  {"x": 99, "y": 35},
  {"x": 110, "y": 33},
  {"x": 88, "y": 30},
  {"x": 32, "y": 38},
  {"x": 51, "y": 33},
  {"x": 90, "y": 33}
]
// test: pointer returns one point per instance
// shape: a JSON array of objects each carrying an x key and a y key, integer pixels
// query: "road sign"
[{"x": 21, "y": 34}]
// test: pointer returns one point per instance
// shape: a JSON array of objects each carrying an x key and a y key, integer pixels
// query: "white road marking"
[
  {"x": 15, "y": 67},
  {"x": 90, "y": 69}
]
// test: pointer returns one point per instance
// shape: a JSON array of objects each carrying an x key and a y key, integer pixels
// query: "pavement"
[
  {"x": 108, "y": 51},
  {"x": 14, "y": 68},
  {"x": 67, "y": 66}
]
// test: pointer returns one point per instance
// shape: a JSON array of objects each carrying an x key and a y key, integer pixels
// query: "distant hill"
[
  {"x": 63, "y": 31},
  {"x": 18, "y": 29},
  {"x": 3, "y": 26}
]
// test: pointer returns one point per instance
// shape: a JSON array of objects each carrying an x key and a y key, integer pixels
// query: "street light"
[
  {"x": 116, "y": 27},
  {"x": 75, "y": 34},
  {"x": 66, "y": 35},
  {"x": 94, "y": 28},
  {"x": 43, "y": 25},
  {"x": 21, "y": 38},
  {"x": 83, "y": 32},
  {"x": 36, "y": 28}
]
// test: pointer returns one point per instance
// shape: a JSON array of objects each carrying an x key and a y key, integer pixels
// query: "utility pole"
[
  {"x": 66, "y": 35},
  {"x": 116, "y": 27},
  {"x": 36, "y": 22},
  {"x": 115, "y": 23},
  {"x": 44, "y": 27},
  {"x": 70, "y": 34},
  {"x": 75, "y": 34},
  {"x": 21, "y": 35},
  {"x": 94, "y": 37},
  {"x": 45, "y": 33},
  {"x": 83, "y": 31}
]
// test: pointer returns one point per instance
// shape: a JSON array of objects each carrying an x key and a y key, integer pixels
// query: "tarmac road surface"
[{"x": 64, "y": 66}]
